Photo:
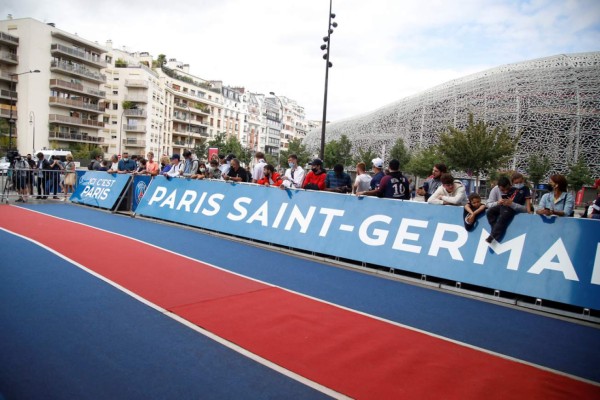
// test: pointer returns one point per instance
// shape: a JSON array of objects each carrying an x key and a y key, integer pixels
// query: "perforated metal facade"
[{"x": 553, "y": 102}]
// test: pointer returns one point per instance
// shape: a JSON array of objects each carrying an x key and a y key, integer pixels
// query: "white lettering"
[
  {"x": 596, "y": 270},
  {"x": 262, "y": 215},
  {"x": 330, "y": 213},
  {"x": 170, "y": 200},
  {"x": 438, "y": 241},
  {"x": 216, "y": 207},
  {"x": 303, "y": 221},
  {"x": 200, "y": 202},
  {"x": 158, "y": 194},
  {"x": 563, "y": 262},
  {"x": 379, "y": 235},
  {"x": 280, "y": 214},
  {"x": 515, "y": 246},
  {"x": 403, "y": 234},
  {"x": 242, "y": 211},
  {"x": 186, "y": 200}
]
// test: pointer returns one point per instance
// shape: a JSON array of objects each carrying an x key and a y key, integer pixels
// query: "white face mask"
[{"x": 519, "y": 185}]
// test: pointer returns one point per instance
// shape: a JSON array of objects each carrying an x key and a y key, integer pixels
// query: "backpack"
[{"x": 91, "y": 165}]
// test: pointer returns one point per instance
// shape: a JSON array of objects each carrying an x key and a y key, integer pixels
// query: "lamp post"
[
  {"x": 32, "y": 123},
  {"x": 11, "y": 121},
  {"x": 327, "y": 47}
]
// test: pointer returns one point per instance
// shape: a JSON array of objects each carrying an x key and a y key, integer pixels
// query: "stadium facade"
[{"x": 552, "y": 102}]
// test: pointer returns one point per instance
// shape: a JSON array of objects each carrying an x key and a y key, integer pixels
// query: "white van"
[{"x": 60, "y": 154}]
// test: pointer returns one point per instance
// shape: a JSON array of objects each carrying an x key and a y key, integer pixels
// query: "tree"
[
  {"x": 421, "y": 163},
  {"x": 218, "y": 141},
  {"x": 338, "y": 152},
  {"x": 296, "y": 147},
  {"x": 233, "y": 146},
  {"x": 201, "y": 148},
  {"x": 579, "y": 175},
  {"x": 366, "y": 157},
  {"x": 477, "y": 150},
  {"x": 128, "y": 105},
  {"x": 160, "y": 61},
  {"x": 400, "y": 153},
  {"x": 538, "y": 167}
]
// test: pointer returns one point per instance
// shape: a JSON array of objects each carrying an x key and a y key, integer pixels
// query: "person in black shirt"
[{"x": 236, "y": 173}]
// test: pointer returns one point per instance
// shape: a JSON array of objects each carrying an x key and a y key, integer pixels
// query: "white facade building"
[
  {"x": 69, "y": 93},
  {"x": 63, "y": 100}
]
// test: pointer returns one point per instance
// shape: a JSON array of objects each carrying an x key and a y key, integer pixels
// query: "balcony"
[
  {"x": 6, "y": 76},
  {"x": 75, "y": 137},
  {"x": 134, "y": 142},
  {"x": 76, "y": 104},
  {"x": 93, "y": 60},
  {"x": 5, "y": 113},
  {"x": 135, "y": 113},
  {"x": 182, "y": 106},
  {"x": 66, "y": 120},
  {"x": 77, "y": 71},
  {"x": 134, "y": 128},
  {"x": 76, "y": 87},
  {"x": 136, "y": 83},
  {"x": 136, "y": 98},
  {"x": 8, "y": 94},
  {"x": 7, "y": 39},
  {"x": 9, "y": 58}
]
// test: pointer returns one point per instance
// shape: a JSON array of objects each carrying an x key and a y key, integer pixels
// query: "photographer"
[
  {"x": 55, "y": 172},
  {"x": 41, "y": 168},
  {"x": 21, "y": 168}
]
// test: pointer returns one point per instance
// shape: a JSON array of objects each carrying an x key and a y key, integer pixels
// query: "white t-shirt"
[
  {"x": 363, "y": 182},
  {"x": 258, "y": 172}
]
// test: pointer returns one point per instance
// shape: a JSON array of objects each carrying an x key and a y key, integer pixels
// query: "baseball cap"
[
  {"x": 316, "y": 161},
  {"x": 377, "y": 162},
  {"x": 175, "y": 157}
]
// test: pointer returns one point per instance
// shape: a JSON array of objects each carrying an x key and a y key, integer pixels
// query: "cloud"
[{"x": 381, "y": 51}]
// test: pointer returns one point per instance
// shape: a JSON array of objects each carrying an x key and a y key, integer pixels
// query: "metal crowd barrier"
[{"x": 16, "y": 184}]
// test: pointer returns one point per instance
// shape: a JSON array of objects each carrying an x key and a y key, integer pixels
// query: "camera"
[{"x": 12, "y": 156}]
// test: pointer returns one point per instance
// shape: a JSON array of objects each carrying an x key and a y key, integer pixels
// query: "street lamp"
[
  {"x": 32, "y": 123},
  {"x": 11, "y": 121},
  {"x": 327, "y": 47}
]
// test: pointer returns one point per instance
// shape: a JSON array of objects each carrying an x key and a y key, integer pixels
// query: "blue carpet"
[
  {"x": 65, "y": 334},
  {"x": 566, "y": 346}
]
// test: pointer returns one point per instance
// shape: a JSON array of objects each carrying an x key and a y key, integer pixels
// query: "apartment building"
[
  {"x": 118, "y": 101},
  {"x": 194, "y": 106},
  {"x": 235, "y": 111},
  {"x": 134, "y": 108},
  {"x": 57, "y": 76}
]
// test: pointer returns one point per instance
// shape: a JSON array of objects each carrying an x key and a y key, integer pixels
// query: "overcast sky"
[{"x": 382, "y": 50}]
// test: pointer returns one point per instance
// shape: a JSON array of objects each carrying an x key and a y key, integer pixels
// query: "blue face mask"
[
  {"x": 519, "y": 185},
  {"x": 292, "y": 165}
]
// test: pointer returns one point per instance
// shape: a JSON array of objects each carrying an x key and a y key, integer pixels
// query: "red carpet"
[{"x": 350, "y": 353}]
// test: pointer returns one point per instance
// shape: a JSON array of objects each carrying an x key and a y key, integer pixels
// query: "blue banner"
[
  {"x": 554, "y": 258},
  {"x": 140, "y": 184},
  {"x": 100, "y": 189}
]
